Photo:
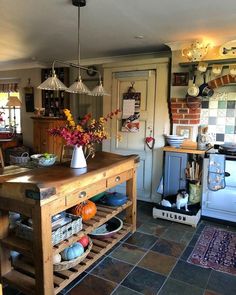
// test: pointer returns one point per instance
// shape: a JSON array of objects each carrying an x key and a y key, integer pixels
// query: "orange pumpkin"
[{"x": 86, "y": 210}]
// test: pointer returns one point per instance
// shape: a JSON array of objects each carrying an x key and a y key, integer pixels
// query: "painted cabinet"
[{"x": 174, "y": 172}]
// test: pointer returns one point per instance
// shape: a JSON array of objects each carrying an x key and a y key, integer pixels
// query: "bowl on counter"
[
  {"x": 44, "y": 160},
  {"x": 175, "y": 140}
]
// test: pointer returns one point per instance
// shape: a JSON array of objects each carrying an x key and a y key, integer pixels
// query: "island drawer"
[
  {"x": 85, "y": 193},
  {"x": 119, "y": 178}
]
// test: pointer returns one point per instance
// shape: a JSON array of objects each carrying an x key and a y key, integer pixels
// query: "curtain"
[{"x": 9, "y": 87}]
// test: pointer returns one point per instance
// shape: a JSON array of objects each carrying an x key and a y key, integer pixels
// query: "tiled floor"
[{"x": 152, "y": 261}]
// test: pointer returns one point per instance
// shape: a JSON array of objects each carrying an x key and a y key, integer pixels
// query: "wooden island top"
[{"x": 43, "y": 192}]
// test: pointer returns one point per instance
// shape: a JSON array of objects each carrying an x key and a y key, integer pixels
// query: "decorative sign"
[
  {"x": 131, "y": 110},
  {"x": 29, "y": 97}
]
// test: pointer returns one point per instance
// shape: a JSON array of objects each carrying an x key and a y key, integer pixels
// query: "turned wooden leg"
[
  {"x": 42, "y": 244},
  {"x": 131, "y": 192},
  {"x": 5, "y": 264}
]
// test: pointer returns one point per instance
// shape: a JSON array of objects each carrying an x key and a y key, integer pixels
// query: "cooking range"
[{"x": 221, "y": 204}]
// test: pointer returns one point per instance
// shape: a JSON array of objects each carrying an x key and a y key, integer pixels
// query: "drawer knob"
[
  {"x": 82, "y": 194},
  {"x": 117, "y": 178}
]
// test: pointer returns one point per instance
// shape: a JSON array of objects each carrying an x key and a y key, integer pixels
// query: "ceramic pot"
[
  {"x": 193, "y": 90},
  {"x": 78, "y": 159},
  {"x": 205, "y": 90}
]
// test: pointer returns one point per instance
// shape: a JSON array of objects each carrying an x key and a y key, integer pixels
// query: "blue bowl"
[{"x": 114, "y": 199}]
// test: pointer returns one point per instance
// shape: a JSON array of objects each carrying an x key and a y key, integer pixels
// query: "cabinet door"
[{"x": 174, "y": 174}]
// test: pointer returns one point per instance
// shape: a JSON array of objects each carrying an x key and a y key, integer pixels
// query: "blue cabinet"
[{"x": 174, "y": 172}]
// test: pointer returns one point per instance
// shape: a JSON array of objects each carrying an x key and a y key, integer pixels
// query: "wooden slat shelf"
[
  {"x": 24, "y": 270},
  {"x": 20, "y": 281},
  {"x": 104, "y": 213},
  {"x": 12, "y": 242}
]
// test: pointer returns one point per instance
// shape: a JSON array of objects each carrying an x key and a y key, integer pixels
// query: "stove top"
[{"x": 228, "y": 150}]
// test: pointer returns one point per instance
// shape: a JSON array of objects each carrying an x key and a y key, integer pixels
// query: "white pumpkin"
[{"x": 56, "y": 258}]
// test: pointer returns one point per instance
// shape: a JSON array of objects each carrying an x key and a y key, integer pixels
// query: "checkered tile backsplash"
[{"x": 220, "y": 116}]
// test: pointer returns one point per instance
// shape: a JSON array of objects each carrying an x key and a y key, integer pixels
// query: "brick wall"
[{"x": 185, "y": 112}]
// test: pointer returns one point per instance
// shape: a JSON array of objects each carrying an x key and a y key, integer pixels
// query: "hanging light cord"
[{"x": 78, "y": 53}]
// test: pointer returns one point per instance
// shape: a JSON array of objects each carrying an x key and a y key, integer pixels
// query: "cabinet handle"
[
  {"x": 44, "y": 142},
  {"x": 82, "y": 194},
  {"x": 117, "y": 179}
]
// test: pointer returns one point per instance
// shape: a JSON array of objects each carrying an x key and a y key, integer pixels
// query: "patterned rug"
[{"x": 216, "y": 249}]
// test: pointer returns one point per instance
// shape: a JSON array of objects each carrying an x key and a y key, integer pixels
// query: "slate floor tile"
[
  {"x": 121, "y": 290},
  {"x": 186, "y": 253},
  {"x": 157, "y": 262},
  {"x": 194, "y": 240},
  {"x": 191, "y": 274},
  {"x": 207, "y": 292},
  {"x": 92, "y": 285},
  {"x": 152, "y": 228},
  {"x": 128, "y": 253},
  {"x": 222, "y": 283},
  {"x": 177, "y": 235},
  {"x": 72, "y": 285},
  {"x": 168, "y": 247},
  {"x": 173, "y": 287},
  {"x": 112, "y": 269},
  {"x": 184, "y": 227},
  {"x": 142, "y": 240},
  {"x": 144, "y": 281}
]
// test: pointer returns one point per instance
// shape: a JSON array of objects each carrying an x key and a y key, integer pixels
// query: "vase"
[{"x": 78, "y": 159}]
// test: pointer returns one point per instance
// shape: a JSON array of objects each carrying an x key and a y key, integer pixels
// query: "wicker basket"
[
  {"x": 71, "y": 263},
  {"x": 24, "y": 158},
  {"x": 26, "y": 232}
]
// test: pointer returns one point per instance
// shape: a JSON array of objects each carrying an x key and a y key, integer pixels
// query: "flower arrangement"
[{"x": 86, "y": 133}]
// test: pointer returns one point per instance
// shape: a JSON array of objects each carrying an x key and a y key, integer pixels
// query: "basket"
[
  {"x": 71, "y": 263},
  {"x": 26, "y": 232},
  {"x": 24, "y": 158}
]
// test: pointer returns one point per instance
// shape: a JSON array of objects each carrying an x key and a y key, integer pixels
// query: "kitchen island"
[{"x": 42, "y": 193}]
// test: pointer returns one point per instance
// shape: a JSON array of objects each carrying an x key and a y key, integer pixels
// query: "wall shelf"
[{"x": 225, "y": 62}]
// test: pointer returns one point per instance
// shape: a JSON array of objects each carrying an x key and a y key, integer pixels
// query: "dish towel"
[{"x": 216, "y": 172}]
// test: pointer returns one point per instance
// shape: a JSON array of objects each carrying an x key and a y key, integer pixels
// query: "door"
[{"x": 134, "y": 142}]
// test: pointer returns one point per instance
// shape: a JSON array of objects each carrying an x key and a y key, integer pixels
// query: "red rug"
[{"x": 216, "y": 249}]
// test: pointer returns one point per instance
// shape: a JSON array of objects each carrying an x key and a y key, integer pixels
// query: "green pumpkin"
[{"x": 72, "y": 252}]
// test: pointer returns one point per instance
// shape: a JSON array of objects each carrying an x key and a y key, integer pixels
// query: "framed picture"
[
  {"x": 180, "y": 79},
  {"x": 185, "y": 130}
]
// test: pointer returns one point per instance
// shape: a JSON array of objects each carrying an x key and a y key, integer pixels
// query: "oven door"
[{"x": 220, "y": 204}]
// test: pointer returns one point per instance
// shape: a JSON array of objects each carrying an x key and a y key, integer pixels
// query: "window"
[{"x": 11, "y": 115}]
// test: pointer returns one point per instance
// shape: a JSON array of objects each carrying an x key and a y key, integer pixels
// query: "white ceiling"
[{"x": 43, "y": 30}]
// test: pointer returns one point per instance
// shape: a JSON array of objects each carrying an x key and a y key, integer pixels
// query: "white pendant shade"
[
  {"x": 99, "y": 91},
  {"x": 78, "y": 87},
  {"x": 52, "y": 83}
]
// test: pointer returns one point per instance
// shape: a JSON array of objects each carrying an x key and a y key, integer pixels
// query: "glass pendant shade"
[
  {"x": 52, "y": 83},
  {"x": 78, "y": 87},
  {"x": 99, "y": 90}
]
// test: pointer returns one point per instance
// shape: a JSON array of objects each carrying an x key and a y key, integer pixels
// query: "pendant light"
[{"x": 53, "y": 83}]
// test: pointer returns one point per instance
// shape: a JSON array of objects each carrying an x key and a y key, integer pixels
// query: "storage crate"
[
  {"x": 186, "y": 217},
  {"x": 26, "y": 232}
]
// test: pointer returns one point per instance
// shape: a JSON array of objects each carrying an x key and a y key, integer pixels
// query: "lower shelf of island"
[{"x": 22, "y": 274}]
